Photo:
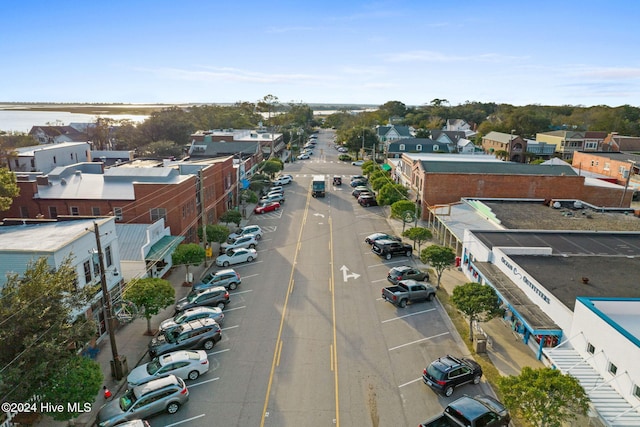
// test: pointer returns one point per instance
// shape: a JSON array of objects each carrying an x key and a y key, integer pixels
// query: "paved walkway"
[{"x": 507, "y": 352}]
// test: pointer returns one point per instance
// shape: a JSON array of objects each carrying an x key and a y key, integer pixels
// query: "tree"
[
  {"x": 215, "y": 233},
  {"x": 439, "y": 258},
  {"x": 271, "y": 167},
  {"x": 400, "y": 207},
  {"x": 40, "y": 333},
  {"x": 544, "y": 397},
  {"x": 418, "y": 235},
  {"x": 8, "y": 188},
  {"x": 162, "y": 148},
  {"x": 231, "y": 217},
  {"x": 391, "y": 193},
  {"x": 150, "y": 295},
  {"x": 477, "y": 301},
  {"x": 188, "y": 254},
  {"x": 78, "y": 382}
]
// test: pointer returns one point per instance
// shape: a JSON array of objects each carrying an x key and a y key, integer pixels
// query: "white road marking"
[
  {"x": 408, "y": 315},
  {"x": 418, "y": 341},
  {"x": 186, "y": 421},
  {"x": 410, "y": 382}
]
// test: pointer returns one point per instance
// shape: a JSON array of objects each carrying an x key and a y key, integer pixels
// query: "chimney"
[{"x": 42, "y": 180}]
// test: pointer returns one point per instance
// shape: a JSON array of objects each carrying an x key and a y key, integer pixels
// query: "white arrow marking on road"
[
  {"x": 346, "y": 276},
  {"x": 318, "y": 214}
]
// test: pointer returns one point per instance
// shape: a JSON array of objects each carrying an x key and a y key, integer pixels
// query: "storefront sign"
[{"x": 526, "y": 281}]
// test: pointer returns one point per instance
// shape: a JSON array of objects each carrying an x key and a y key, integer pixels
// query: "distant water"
[{"x": 23, "y": 121}]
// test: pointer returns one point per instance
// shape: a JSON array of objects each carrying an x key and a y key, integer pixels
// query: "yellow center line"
[
  {"x": 333, "y": 310},
  {"x": 278, "y": 349}
]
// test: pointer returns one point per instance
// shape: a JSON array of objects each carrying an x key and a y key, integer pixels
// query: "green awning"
[
  {"x": 385, "y": 167},
  {"x": 163, "y": 247}
]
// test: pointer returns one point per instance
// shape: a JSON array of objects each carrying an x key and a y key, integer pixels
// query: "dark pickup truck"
[
  {"x": 388, "y": 248},
  {"x": 408, "y": 291},
  {"x": 470, "y": 411}
]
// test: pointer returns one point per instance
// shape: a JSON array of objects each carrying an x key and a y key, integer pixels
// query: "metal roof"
[{"x": 496, "y": 168}]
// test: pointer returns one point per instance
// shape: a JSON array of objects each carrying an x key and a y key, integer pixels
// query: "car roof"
[
  {"x": 385, "y": 241},
  {"x": 176, "y": 356},
  {"x": 226, "y": 271},
  {"x": 469, "y": 406},
  {"x": 199, "y": 309},
  {"x": 402, "y": 268},
  {"x": 155, "y": 384},
  {"x": 212, "y": 290}
]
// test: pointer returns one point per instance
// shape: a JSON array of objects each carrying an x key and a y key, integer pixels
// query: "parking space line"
[
  {"x": 382, "y": 265},
  {"x": 241, "y": 292},
  {"x": 235, "y": 308},
  {"x": 408, "y": 315},
  {"x": 418, "y": 341},
  {"x": 410, "y": 382},
  {"x": 380, "y": 280},
  {"x": 204, "y": 382},
  {"x": 186, "y": 421},
  {"x": 213, "y": 353},
  {"x": 244, "y": 265},
  {"x": 230, "y": 327},
  {"x": 250, "y": 275}
]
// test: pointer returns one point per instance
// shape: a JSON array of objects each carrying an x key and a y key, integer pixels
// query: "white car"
[
  {"x": 185, "y": 364},
  {"x": 278, "y": 188},
  {"x": 283, "y": 180},
  {"x": 193, "y": 313},
  {"x": 273, "y": 197},
  {"x": 302, "y": 156},
  {"x": 358, "y": 163},
  {"x": 248, "y": 229},
  {"x": 236, "y": 256},
  {"x": 244, "y": 241}
]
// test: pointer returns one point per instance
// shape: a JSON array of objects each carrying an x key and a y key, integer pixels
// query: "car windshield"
[
  {"x": 153, "y": 366},
  {"x": 127, "y": 400},
  {"x": 192, "y": 296},
  {"x": 180, "y": 318},
  {"x": 435, "y": 372}
]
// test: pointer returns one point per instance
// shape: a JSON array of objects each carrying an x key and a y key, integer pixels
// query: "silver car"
[
  {"x": 190, "y": 314},
  {"x": 163, "y": 394},
  {"x": 185, "y": 364}
]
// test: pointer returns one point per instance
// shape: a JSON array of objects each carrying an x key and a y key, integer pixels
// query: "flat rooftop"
[
  {"x": 610, "y": 260},
  {"x": 531, "y": 215}
]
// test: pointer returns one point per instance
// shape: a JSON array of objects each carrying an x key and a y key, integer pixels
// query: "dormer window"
[
  {"x": 419, "y": 147},
  {"x": 402, "y": 147}
]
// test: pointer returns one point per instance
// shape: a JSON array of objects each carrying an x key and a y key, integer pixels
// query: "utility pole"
[
  {"x": 203, "y": 216},
  {"x": 117, "y": 369}
]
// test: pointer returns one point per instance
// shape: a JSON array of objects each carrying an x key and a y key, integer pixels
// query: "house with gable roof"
[{"x": 57, "y": 134}]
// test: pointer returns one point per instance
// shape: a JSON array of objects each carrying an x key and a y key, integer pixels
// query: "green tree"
[
  {"x": 40, "y": 333},
  {"x": 391, "y": 193},
  {"x": 231, "y": 216},
  {"x": 477, "y": 301},
  {"x": 162, "y": 148},
  {"x": 188, "y": 254},
  {"x": 150, "y": 295},
  {"x": 418, "y": 235},
  {"x": 215, "y": 233},
  {"x": 544, "y": 397},
  {"x": 400, "y": 207},
  {"x": 78, "y": 382},
  {"x": 271, "y": 167},
  {"x": 8, "y": 188},
  {"x": 439, "y": 258}
]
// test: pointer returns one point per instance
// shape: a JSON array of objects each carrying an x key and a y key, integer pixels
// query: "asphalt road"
[{"x": 307, "y": 340}]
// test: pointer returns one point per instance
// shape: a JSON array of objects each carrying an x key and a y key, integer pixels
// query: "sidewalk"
[{"x": 506, "y": 351}]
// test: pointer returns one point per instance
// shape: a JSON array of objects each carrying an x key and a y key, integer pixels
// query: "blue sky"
[{"x": 364, "y": 52}]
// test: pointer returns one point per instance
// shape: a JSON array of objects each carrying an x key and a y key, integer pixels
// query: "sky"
[{"x": 547, "y": 52}]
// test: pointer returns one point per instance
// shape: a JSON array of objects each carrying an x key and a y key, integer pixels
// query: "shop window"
[
  {"x": 612, "y": 368},
  {"x": 590, "y": 348}
]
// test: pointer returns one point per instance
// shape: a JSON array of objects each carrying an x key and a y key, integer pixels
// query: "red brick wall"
[{"x": 450, "y": 188}]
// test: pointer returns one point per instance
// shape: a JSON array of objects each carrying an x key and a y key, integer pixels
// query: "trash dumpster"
[{"x": 480, "y": 344}]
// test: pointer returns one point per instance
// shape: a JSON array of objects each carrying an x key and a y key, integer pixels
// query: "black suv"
[
  {"x": 405, "y": 272},
  {"x": 389, "y": 248},
  {"x": 449, "y": 372},
  {"x": 218, "y": 296},
  {"x": 200, "y": 333}
]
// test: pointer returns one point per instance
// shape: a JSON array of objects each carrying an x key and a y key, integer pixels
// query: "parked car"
[
  {"x": 359, "y": 190},
  {"x": 228, "y": 278},
  {"x": 367, "y": 199},
  {"x": 276, "y": 189},
  {"x": 264, "y": 207},
  {"x": 185, "y": 364},
  {"x": 163, "y": 394},
  {"x": 449, "y": 372},
  {"x": 343, "y": 149},
  {"x": 358, "y": 163},
  {"x": 389, "y": 248},
  {"x": 405, "y": 272},
  {"x": 358, "y": 178},
  {"x": 201, "y": 333},
  {"x": 344, "y": 157},
  {"x": 249, "y": 229},
  {"x": 302, "y": 156},
  {"x": 358, "y": 183},
  {"x": 478, "y": 411},
  {"x": 193, "y": 313},
  {"x": 218, "y": 296},
  {"x": 236, "y": 256},
  {"x": 379, "y": 236},
  {"x": 273, "y": 197},
  {"x": 408, "y": 292},
  {"x": 244, "y": 241},
  {"x": 283, "y": 180}
]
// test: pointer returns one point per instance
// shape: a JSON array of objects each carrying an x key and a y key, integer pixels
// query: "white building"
[
  {"x": 45, "y": 158},
  {"x": 24, "y": 241}
]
